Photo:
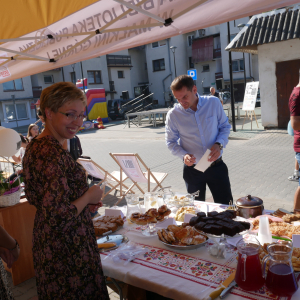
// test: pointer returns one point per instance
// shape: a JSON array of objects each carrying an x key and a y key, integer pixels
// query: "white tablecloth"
[{"x": 177, "y": 274}]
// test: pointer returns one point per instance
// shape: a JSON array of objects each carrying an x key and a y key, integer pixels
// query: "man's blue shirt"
[{"x": 193, "y": 132}]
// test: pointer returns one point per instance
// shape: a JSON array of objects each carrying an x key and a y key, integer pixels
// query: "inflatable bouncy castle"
[{"x": 96, "y": 101}]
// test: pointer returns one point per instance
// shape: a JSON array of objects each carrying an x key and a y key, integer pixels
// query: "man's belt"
[{"x": 216, "y": 161}]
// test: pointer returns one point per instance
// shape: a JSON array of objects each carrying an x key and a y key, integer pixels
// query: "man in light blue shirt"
[{"x": 194, "y": 125}]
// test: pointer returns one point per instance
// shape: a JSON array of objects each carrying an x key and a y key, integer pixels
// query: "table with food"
[{"x": 181, "y": 248}]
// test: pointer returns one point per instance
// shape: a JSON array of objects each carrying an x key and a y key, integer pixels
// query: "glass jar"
[
  {"x": 150, "y": 200},
  {"x": 133, "y": 205},
  {"x": 280, "y": 279},
  {"x": 167, "y": 196}
]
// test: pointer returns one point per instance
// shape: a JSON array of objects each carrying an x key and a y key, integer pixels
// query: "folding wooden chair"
[
  {"x": 129, "y": 164},
  {"x": 111, "y": 179}
]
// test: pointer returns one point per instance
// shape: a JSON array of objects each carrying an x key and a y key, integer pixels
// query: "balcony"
[
  {"x": 217, "y": 53},
  {"x": 219, "y": 75},
  {"x": 36, "y": 91},
  {"x": 118, "y": 60}
]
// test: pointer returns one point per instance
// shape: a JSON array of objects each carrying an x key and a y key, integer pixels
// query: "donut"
[{"x": 162, "y": 209}]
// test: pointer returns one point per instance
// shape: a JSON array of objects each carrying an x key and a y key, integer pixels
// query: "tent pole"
[
  {"x": 231, "y": 82},
  {"x": 83, "y": 86}
]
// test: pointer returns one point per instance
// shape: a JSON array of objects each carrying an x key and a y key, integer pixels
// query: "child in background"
[{"x": 33, "y": 131}]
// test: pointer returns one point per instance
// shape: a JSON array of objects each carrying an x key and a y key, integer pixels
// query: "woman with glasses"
[{"x": 66, "y": 258}]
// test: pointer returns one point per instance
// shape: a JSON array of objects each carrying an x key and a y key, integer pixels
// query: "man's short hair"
[
  {"x": 56, "y": 95},
  {"x": 212, "y": 88},
  {"x": 182, "y": 81}
]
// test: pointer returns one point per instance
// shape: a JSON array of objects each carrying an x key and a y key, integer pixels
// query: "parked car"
[{"x": 118, "y": 108}]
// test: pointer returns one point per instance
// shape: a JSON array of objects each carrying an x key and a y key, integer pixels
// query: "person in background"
[
  {"x": 213, "y": 92},
  {"x": 40, "y": 122},
  {"x": 193, "y": 126},
  {"x": 9, "y": 252},
  {"x": 24, "y": 143},
  {"x": 65, "y": 253},
  {"x": 295, "y": 176},
  {"x": 294, "y": 106},
  {"x": 33, "y": 131}
]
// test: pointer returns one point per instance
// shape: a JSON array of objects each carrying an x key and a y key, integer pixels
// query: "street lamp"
[
  {"x": 240, "y": 26},
  {"x": 173, "y": 48}
]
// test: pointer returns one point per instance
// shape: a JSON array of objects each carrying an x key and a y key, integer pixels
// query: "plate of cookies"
[
  {"x": 104, "y": 225},
  {"x": 152, "y": 215},
  {"x": 181, "y": 237}
]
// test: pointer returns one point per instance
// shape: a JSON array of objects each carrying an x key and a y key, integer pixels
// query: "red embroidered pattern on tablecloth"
[{"x": 201, "y": 271}]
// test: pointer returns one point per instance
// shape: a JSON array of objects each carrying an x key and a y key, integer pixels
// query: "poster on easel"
[{"x": 250, "y": 95}]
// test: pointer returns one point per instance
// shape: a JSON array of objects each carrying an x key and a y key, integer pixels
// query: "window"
[
  {"x": 191, "y": 64},
  {"x": 238, "y": 65},
  {"x": 205, "y": 68},
  {"x": 121, "y": 74},
  {"x": 118, "y": 60},
  {"x": 48, "y": 79},
  {"x": 206, "y": 90},
  {"x": 159, "y": 44},
  {"x": 16, "y": 111},
  {"x": 94, "y": 77},
  {"x": 190, "y": 40},
  {"x": 158, "y": 65},
  {"x": 73, "y": 77},
  {"x": 14, "y": 85}
]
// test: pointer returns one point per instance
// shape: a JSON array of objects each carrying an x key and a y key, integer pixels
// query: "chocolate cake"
[
  {"x": 201, "y": 214},
  {"x": 194, "y": 220},
  {"x": 212, "y": 214},
  {"x": 229, "y": 229},
  {"x": 246, "y": 225},
  {"x": 216, "y": 229},
  {"x": 200, "y": 225}
]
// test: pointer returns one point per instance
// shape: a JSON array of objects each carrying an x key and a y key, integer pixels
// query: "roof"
[{"x": 274, "y": 26}]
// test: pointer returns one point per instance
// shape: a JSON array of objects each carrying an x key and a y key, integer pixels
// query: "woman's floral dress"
[
  {"x": 65, "y": 254},
  {"x": 5, "y": 293}
]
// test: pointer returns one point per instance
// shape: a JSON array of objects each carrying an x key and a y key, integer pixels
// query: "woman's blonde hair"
[
  {"x": 56, "y": 95},
  {"x": 29, "y": 128}
]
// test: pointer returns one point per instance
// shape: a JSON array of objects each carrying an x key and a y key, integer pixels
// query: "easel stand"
[{"x": 249, "y": 115}]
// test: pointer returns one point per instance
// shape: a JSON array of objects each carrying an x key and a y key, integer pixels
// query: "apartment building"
[{"x": 145, "y": 69}]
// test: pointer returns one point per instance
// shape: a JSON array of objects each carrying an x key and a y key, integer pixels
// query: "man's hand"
[
  {"x": 215, "y": 152},
  {"x": 189, "y": 159}
]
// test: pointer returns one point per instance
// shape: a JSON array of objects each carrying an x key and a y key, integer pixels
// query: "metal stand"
[{"x": 250, "y": 117}]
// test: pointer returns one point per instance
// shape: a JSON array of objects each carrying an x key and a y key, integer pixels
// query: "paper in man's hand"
[{"x": 203, "y": 163}]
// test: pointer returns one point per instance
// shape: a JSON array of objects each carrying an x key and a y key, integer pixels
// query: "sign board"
[
  {"x": 250, "y": 95},
  {"x": 192, "y": 73}
]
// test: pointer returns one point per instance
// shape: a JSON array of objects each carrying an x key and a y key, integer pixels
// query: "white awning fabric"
[{"x": 39, "y": 35}]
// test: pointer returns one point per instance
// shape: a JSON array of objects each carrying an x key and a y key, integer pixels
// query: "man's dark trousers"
[{"x": 217, "y": 179}]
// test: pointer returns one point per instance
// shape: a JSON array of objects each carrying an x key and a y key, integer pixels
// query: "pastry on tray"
[
  {"x": 106, "y": 223},
  {"x": 181, "y": 236},
  {"x": 151, "y": 216}
]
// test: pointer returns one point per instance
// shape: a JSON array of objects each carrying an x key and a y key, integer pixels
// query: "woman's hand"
[
  {"x": 9, "y": 256},
  {"x": 94, "y": 207},
  {"x": 94, "y": 194}
]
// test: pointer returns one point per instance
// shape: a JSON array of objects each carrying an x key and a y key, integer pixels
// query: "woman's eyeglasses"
[{"x": 73, "y": 117}]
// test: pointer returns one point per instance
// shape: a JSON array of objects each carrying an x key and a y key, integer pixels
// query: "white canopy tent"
[{"x": 40, "y": 35}]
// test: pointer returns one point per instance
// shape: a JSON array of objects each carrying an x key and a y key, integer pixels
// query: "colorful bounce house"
[{"x": 96, "y": 101}]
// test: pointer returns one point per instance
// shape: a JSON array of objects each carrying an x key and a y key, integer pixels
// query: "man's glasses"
[{"x": 73, "y": 117}]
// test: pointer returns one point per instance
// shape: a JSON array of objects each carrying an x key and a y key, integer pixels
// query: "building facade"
[{"x": 141, "y": 70}]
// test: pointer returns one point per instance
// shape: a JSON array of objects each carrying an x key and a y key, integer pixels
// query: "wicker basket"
[{"x": 10, "y": 199}]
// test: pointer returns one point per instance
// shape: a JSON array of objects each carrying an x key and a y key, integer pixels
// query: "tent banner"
[{"x": 47, "y": 35}]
